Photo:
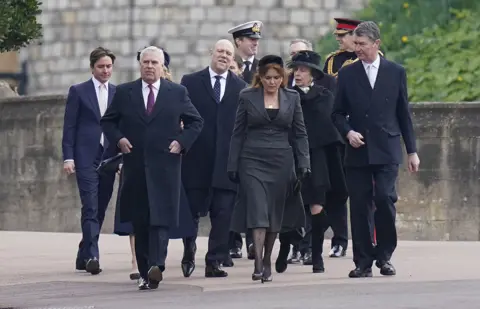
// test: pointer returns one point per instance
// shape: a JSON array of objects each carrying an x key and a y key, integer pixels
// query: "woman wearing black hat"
[
  {"x": 325, "y": 188},
  {"x": 261, "y": 161}
]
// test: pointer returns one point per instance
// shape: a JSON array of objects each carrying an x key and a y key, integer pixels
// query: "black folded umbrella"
[{"x": 110, "y": 165}]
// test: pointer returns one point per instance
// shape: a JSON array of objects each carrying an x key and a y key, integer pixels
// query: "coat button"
[{"x": 366, "y": 115}]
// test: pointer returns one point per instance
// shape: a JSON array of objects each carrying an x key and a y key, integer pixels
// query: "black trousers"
[
  {"x": 151, "y": 243},
  {"x": 362, "y": 183},
  {"x": 220, "y": 204},
  {"x": 236, "y": 240}
]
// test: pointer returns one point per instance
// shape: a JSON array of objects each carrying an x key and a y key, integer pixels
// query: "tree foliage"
[
  {"x": 18, "y": 23},
  {"x": 442, "y": 61}
]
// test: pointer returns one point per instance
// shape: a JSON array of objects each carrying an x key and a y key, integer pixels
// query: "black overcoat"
[{"x": 151, "y": 188}]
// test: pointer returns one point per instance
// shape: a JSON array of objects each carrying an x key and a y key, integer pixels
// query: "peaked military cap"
[
  {"x": 345, "y": 25},
  {"x": 251, "y": 29}
]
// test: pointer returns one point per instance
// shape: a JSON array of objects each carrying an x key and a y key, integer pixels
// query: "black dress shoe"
[
  {"x": 386, "y": 268},
  {"x": 214, "y": 271},
  {"x": 360, "y": 273},
  {"x": 236, "y": 253},
  {"x": 134, "y": 276},
  {"x": 251, "y": 252},
  {"x": 228, "y": 262},
  {"x": 143, "y": 284},
  {"x": 337, "y": 251},
  {"x": 307, "y": 258},
  {"x": 318, "y": 266},
  {"x": 93, "y": 266},
  {"x": 155, "y": 276},
  {"x": 187, "y": 268},
  {"x": 281, "y": 263}
]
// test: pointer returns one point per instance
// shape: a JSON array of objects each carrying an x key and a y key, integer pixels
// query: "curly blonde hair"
[{"x": 168, "y": 74}]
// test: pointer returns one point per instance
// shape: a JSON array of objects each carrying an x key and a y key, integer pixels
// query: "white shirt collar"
[
  {"x": 97, "y": 83},
  {"x": 251, "y": 59},
  {"x": 375, "y": 64},
  {"x": 213, "y": 74},
  {"x": 155, "y": 85}
]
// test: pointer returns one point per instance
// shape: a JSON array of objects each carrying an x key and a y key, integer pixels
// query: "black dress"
[
  {"x": 261, "y": 154},
  {"x": 325, "y": 148}
]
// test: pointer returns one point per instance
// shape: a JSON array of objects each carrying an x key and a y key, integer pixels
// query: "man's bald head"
[{"x": 222, "y": 56}]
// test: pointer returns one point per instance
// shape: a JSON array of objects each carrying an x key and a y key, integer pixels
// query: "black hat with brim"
[{"x": 307, "y": 58}]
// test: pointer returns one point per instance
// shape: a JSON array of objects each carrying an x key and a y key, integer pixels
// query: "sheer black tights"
[{"x": 263, "y": 243}]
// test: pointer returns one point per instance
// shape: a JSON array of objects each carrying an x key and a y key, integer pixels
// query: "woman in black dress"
[
  {"x": 262, "y": 161},
  {"x": 325, "y": 188}
]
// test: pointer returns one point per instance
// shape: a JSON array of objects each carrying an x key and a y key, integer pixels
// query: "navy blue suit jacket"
[
  {"x": 81, "y": 128},
  {"x": 381, "y": 114}
]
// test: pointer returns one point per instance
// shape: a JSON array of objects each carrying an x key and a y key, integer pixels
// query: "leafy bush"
[
  {"x": 442, "y": 62},
  {"x": 400, "y": 19},
  {"x": 18, "y": 23}
]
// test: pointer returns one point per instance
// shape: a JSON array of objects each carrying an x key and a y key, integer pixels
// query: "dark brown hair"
[
  {"x": 262, "y": 71},
  {"x": 98, "y": 53}
]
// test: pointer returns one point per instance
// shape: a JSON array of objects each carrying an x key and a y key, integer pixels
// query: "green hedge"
[{"x": 442, "y": 62}]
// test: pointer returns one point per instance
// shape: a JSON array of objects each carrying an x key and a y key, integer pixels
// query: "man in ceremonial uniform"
[
  {"x": 345, "y": 55},
  {"x": 246, "y": 37}
]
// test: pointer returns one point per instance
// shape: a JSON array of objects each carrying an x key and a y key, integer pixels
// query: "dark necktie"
[
  {"x": 246, "y": 71},
  {"x": 216, "y": 88},
  {"x": 150, "y": 100}
]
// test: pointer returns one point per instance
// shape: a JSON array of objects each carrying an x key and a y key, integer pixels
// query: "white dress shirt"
[
  {"x": 372, "y": 70},
  {"x": 251, "y": 59},
  {"x": 223, "y": 81},
  {"x": 146, "y": 91},
  {"x": 101, "y": 90}
]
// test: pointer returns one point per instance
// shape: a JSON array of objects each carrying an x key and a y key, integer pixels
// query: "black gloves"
[
  {"x": 302, "y": 173},
  {"x": 233, "y": 176}
]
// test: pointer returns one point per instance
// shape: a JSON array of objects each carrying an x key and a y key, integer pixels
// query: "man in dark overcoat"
[
  {"x": 144, "y": 121},
  {"x": 214, "y": 92},
  {"x": 372, "y": 111}
]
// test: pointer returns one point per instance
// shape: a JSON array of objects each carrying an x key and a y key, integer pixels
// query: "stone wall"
[
  {"x": 441, "y": 202},
  {"x": 186, "y": 28}
]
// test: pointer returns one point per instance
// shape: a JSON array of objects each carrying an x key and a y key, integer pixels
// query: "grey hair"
[
  {"x": 368, "y": 29},
  {"x": 307, "y": 43},
  {"x": 152, "y": 49}
]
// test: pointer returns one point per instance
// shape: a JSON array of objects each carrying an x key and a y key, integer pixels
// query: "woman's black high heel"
[
  {"x": 267, "y": 275},
  {"x": 257, "y": 276}
]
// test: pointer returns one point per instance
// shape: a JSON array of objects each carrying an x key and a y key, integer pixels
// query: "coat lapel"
[
  {"x": 284, "y": 104},
  {"x": 362, "y": 77},
  {"x": 137, "y": 99},
  {"x": 207, "y": 83},
  {"x": 229, "y": 87},
  {"x": 381, "y": 74},
  {"x": 258, "y": 101},
  {"x": 162, "y": 97},
  {"x": 92, "y": 98},
  {"x": 111, "y": 93}
]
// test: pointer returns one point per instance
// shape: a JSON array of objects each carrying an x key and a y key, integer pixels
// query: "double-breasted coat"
[
  {"x": 205, "y": 166},
  {"x": 151, "y": 187}
]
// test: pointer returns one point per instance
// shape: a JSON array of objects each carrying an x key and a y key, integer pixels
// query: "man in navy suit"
[
  {"x": 372, "y": 93},
  {"x": 83, "y": 146},
  {"x": 214, "y": 92}
]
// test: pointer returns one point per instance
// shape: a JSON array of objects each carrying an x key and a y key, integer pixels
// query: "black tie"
[
  {"x": 246, "y": 71},
  {"x": 216, "y": 88}
]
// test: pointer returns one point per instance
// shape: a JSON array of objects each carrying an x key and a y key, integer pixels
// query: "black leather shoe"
[
  {"x": 281, "y": 262},
  {"x": 236, "y": 253},
  {"x": 214, "y": 271},
  {"x": 155, "y": 276},
  {"x": 318, "y": 266},
  {"x": 143, "y": 284},
  {"x": 251, "y": 252},
  {"x": 188, "y": 260},
  {"x": 386, "y": 268},
  {"x": 228, "y": 262},
  {"x": 360, "y": 273},
  {"x": 307, "y": 259},
  {"x": 93, "y": 266}
]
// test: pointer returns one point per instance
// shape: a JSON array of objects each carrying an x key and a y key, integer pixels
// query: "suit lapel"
[
  {"x": 362, "y": 77},
  {"x": 379, "y": 82},
  {"x": 258, "y": 101},
  {"x": 207, "y": 83},
  {"x": 229, "y": 87},
  {"x": 284, "y": 104},
  {"x": 92, "y": 98},
  {"x": 162, "y": 97},
  {"x": 137, "y": 99}
]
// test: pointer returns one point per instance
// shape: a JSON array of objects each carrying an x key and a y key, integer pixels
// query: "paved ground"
[{"x": 36, "y": 271}]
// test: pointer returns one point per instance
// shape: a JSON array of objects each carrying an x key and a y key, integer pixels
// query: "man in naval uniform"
[{"x": 246, "y": 38}]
